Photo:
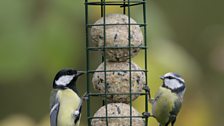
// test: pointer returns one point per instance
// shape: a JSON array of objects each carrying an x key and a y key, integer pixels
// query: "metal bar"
[
  {"x": 87, "y": 63},
  {"x": 101, "y": 14},
  {"x": 134, "y": 4},
  {"x": 117, "y": 3},
  {"x": 91, "y": 25},
  {"x": 103, "y": 94},
  {"x": 101, "y": 48},
  {"x": 104, "y": 58},
  {"x": 93, "y": 71},
  {"x": 124, "y": 7},
  {"x": 129, "y": 45},
  {"x": 102, "y": 117},
  {"x": 146, "y": 58}
]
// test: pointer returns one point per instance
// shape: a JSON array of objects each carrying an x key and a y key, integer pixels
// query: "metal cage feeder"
[{"x": 126, "y": 6}]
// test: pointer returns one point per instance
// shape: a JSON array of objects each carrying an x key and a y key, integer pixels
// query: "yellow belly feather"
[{"x": 69, "y": 102}]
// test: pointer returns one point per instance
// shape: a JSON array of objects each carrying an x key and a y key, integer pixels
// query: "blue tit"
[
  {"x": 65, "y": 103},
  {"x": 168, "y": 99}
]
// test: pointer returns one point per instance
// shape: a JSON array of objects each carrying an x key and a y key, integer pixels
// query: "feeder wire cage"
[{"x": 126, "y": 6}]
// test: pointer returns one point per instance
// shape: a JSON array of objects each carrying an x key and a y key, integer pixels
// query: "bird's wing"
[
  {"x": 176, "y": 107},
  {"x": 53, "y": 97},
  {"x": 54, "y": 108},
  {"x": 54, "y": 114},
  {"x": 77, "y": 113},
  {"x": 175, "y": 110}
]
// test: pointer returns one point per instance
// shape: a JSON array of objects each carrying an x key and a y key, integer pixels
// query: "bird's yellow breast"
[
  {"x": 69, "y": 102},
  {"x": 164, "y": 104}
]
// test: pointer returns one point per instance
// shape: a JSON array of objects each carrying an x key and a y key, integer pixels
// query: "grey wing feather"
[
  {"x": 54, "y": 108},
  {"x": 54, "y": 114},
  {"x": 176, "y": 108}
]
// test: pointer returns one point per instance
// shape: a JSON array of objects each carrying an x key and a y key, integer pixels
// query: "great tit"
[
  {"x": 65, "y": 103},
  {"x": 168, "y": 99}
]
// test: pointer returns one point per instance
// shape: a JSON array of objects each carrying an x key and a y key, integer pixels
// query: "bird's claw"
[
  {"x": 146, "y": 88},
  {"x": 85, "y": 97},
  {"x": 146, "y": 114}
]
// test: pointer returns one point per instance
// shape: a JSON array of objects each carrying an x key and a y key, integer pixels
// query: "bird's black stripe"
[{"x": 176, "y": 90}]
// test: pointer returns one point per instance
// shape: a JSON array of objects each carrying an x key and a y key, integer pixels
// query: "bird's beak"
[
  {"x": 162, "y": 77},
  {"x": 79, "y": 73}
]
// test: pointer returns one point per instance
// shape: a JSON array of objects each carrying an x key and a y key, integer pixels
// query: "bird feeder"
[{"x": 117, "y": 80}]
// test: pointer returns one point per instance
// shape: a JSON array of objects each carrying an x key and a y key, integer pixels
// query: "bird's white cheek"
[
  {"x": 172, "y": 83},
  {"x": 64, "y": 80}
]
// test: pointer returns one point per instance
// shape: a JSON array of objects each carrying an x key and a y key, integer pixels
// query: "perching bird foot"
[
  {"x": 146, "y": 88},
  {"x": 146, "y": 114},
  {"x": 85, "y": 97}
]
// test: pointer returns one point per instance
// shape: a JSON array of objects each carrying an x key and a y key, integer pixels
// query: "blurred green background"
[{"x": 39, "y": 37}]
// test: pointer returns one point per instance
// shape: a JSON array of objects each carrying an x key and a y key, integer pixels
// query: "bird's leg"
[
  {"x": 174, "y": 120},
  {"x": 146, "y": 114},
  {"x": 85, "y": 97},
  {"x": 167, "y": 124},
  {"x": 147, "y": 90}
]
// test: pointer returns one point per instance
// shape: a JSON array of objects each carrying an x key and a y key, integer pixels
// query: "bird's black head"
[
  {"x": 66, "y": 78},
  {"x": 174, "y": 82}
]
